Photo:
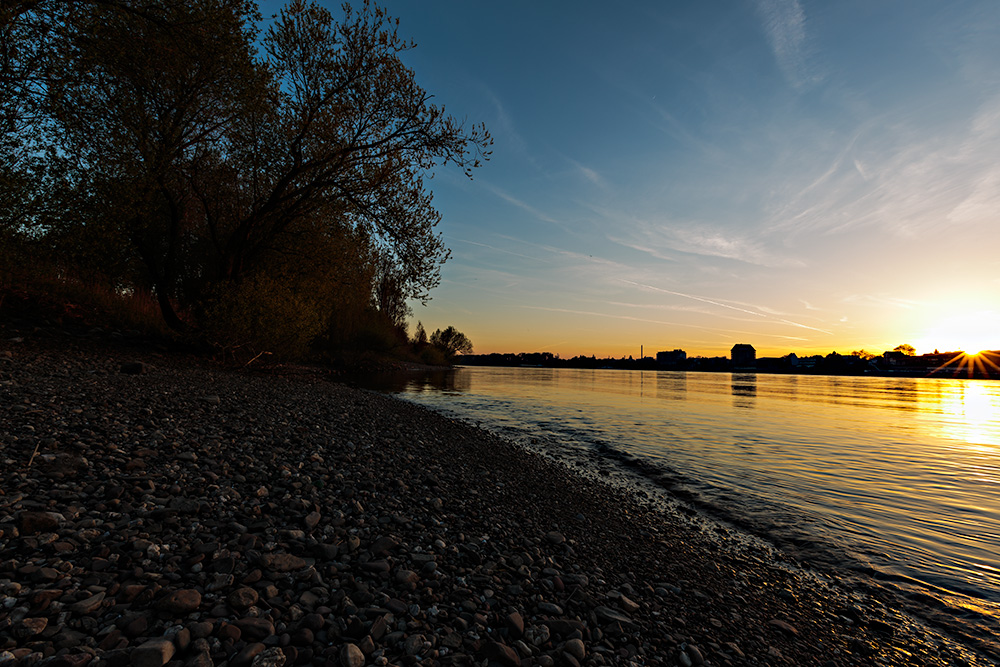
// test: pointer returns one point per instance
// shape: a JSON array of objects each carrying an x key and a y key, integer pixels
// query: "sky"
[{"x": 804, "y": 176}]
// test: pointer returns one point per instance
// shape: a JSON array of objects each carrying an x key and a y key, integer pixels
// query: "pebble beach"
[{"x": 157, "y": 509}]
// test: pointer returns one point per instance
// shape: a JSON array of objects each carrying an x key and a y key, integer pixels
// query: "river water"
[{"x": 891, "y": 483}]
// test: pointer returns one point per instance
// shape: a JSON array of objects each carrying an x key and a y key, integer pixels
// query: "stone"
[
  {"x": 515, "y": 625},
  {"x": 554, "y": 537},
  {"x": 501, "y": 653},
  {"x": 132, "y": 368},
  {"x": 413, "y": 644},
  {"x": 242, "y": 598},
  {"x": 89, "y": 605},
  {"x": 254, "y": 628},
  {"x": 201, "y": 659},
  {"x": 695, "y": 654},
  {"x": 576, "y": 648},
  {"x": 183, "y": 601},
  {"x": 153, "y": 653},
  {"x": 383, "y": 546},
  {"x": 201, "y": 630},
  {"x": 246, "y": 656},
  {"x": 282, "y": 562},
  {"x": 565, "y": 626},
  {"x": 351, "y": 656},
  {"x": 272, "y": 657},
  {"x": 784, "y": 626},
  {"x": 40, "y": 522},
  {"x": 29, "y": 627},
  {"x": 312, "y": 621},
  {"x": 312, "y": 520},
  {"x": 628, "y": 605},
  {"x": 407, "y": 578},
  {"x": 609, "y": 615},
  {"x": 550, "y": 609}
]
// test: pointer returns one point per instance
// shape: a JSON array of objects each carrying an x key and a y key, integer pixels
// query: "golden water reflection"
[{"x": 901, "y": 473}]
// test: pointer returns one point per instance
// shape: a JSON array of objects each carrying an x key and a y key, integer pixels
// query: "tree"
[
  {"x": 175, "y": 157},
  {"x": 906, "y": 349},
  {"x": 451, "y": 342},
  {"x": 420, "y": 336},
  {"x": 864, "y": 354},
  {"x": 146, "y": 91}
]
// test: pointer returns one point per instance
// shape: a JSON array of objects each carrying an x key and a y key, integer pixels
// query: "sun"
[{"x": 969, "y": 332}]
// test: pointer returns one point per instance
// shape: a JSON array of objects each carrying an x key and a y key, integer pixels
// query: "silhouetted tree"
[
  {"x": 905, "y": 349},
  {"x": 419, "y": 336},
  {"x": 451, "y": 342},
  {"x": 164, "y": 150}
]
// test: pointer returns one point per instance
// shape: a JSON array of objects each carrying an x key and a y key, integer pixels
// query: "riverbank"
[{"x": 157, "y": 510}]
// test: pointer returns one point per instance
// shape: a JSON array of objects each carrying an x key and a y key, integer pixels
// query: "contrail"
[{"x": 726, "y": 305}]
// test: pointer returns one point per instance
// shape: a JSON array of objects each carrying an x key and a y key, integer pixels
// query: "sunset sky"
[{"x": 802, "y": 176}]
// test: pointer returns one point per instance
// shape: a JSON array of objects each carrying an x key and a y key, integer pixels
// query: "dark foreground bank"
[{"x": 181, "y": 514}]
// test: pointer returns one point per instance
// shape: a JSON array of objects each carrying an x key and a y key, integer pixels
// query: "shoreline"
[{"x": 269, "y": 520}]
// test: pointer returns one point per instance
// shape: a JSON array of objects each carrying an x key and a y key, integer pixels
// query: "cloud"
[
  {"x": 520, "y": 204},
  {"x": 901, "y": 176},
  {"x": 881, "y": 300},
  {"x": 785, "y": 27},
  {"x": 490, "y": 247},
  {"x": 506, "y": 128},
  {"x": 588, "y": 174},
  {"x": 667, "y": 237},
  {"x": 725, "y": 303}
]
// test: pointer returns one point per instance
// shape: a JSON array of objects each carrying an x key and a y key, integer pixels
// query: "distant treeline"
[
  {"x": 949, "y": 364},
  {"x": 264, "y": 189}
]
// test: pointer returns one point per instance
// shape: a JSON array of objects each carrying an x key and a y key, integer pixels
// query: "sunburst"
[{"x": 978, "y": 364}]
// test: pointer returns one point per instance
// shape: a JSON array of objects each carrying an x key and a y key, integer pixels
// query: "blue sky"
[{"x": 801, "y": 176}]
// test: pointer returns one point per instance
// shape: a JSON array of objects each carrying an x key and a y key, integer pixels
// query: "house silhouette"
[{"x": 744, "y": 357}]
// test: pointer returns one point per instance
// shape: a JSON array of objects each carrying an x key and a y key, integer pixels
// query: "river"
[{"x": 891, "y": 483}]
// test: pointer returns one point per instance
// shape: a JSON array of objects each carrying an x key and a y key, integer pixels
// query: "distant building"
[
  {"x": 671, "y": 359},
  {"x": 744, "y": 357}
]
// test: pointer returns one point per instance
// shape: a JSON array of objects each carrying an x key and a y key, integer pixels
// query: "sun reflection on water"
[{"x": 973, "y": 409}]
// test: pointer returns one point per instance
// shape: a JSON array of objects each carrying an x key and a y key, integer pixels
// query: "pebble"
[
  {"x": 351, "y": 656},
  {"x": 267, "y": 521},
  {"x": 153, "y": 653}
]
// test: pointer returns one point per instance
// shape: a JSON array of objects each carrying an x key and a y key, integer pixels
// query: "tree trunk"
[{"x": 169, "y": 314}]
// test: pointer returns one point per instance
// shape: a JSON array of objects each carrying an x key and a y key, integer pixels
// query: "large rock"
[
  {"x": 501, "y": 653},
  {"x": 242, "y": 598},
  {"x": 254, "y": 628},
  {"x": 183, "y": 601},
  {"x": 40, "y": 522},
  {"x": 154, "y": 653},
  {"x": 351, "y": 656},
  {"x": 282, "y": 562},
  {"x": 89, "y": 605}
]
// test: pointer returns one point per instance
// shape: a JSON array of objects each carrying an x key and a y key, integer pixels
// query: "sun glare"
[{"x": 969, "y": 332}]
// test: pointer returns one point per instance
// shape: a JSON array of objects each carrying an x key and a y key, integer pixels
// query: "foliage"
[
  {"x": 906, "y": 349},
  {"x": 451, "y": 342},
  {"x": 864, "y": 354},
  {"x": 420, "y": 337},
  {"x": 262, "y": 314},
  {"x": 275, "y": 197}
]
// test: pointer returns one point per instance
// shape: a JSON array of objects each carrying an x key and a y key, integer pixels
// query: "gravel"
[{"x": 158, "y": 510}]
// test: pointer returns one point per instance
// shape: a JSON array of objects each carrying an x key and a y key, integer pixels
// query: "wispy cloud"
[
  {"x": 664, "y": 239},
  {"x": 490, "y": 247},
  {"x": 724, "y": 304},
  {"x": 785, "y": 26},
  {"x": 881, "y": 300},
  {"x": 510, "y": 199},
  {"x": 588, "y": 174},
  {"x": 896, "y": 175},
  {"x": 686, "y": 325},
  {"x": 505, "y": 124}
]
